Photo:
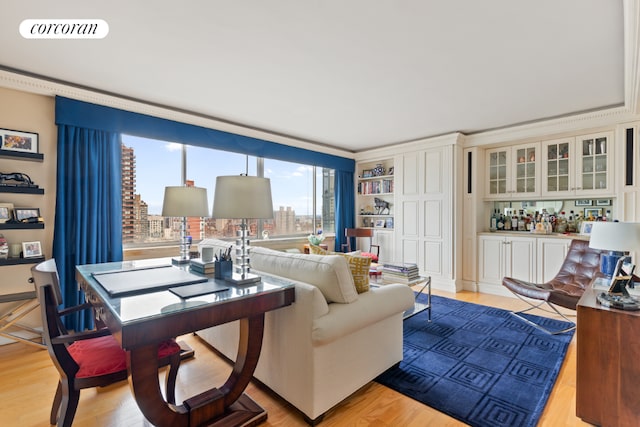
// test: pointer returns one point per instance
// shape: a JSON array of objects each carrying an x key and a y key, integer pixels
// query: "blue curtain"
[
  {"x": 345, "y": 205},
  {"x": 88, "y": 220}
]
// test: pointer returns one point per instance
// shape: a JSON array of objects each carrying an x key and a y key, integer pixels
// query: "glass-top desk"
[{"x": 139, "y": 321}]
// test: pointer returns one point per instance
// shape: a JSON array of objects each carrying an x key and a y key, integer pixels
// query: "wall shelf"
[
  {"x": 16, "y": 261},
  {"x": 21, "y": 226},
  {"x": 35, "y": 157},
  {"x": 22, "y": 190}
]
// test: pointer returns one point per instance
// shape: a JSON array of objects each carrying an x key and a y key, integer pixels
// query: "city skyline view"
[{"x": 158, "y": 165}]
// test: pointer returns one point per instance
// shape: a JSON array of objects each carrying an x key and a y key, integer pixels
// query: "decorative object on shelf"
[
  {"x": 31, "y": 249},
  {"x": 379, "y": 223},
  {"x": 13, "y": 140},
  {"x": 184, "y": 202},
  {"x": 592, "y": 213},
  {"x": 242, "y": 197},
  {"x": 4, "y": 248},
  {"x": 6, "y": 212},
  {"x": 586, "y": 227},
  {"x": 604, "y": 202},
  {"x": 19, "y": 180},
  {"x": 379, "y": 170},
  {"x": 382, "y": 206},
  {"x": 15, "y": 250},
  {"x": 389, "y": 223},
  {"x": 316, "y": 239},
  {"x": 391, "y": 170},
  {"x": 367, "y": 173},
  {"x": 583, "y": 202},
  {"x": 29, "y": 215}
]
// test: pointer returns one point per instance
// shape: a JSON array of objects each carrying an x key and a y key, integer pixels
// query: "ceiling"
[{"x": 350, "y": 74}]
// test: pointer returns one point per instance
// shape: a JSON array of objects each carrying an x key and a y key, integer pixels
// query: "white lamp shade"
[
  {"x": 241, "y": 196},
  {"x": 185, "y": 202},
  {"x": 615, "y": 236}
]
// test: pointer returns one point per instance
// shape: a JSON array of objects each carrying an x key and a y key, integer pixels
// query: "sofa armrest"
[{"x": 373, "y": 306}]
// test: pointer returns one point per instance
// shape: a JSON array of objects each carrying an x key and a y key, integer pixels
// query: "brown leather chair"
[{"x": 580, "y": 266}]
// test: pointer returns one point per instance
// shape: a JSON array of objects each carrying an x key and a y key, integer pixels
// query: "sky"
[{"x": 158, "y": 165}]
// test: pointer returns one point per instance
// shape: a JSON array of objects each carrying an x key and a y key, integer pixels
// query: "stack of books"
[
  {"x": 400, "y": 272},
  {"x": 199, "y": 266}
]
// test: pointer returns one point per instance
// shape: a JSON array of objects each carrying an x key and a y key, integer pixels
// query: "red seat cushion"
[
  {"x": 374, "y": 257},
  {"x": 102, "y": 356},
  {"x": 98, "y": 356}
]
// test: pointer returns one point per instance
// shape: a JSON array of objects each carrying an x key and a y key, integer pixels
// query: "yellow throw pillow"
[{"x": 358, "y": 265}]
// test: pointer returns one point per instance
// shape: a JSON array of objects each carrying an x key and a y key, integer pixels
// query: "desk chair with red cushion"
[
  {"x": 85, "y": 359},
  {"x": 361, "y": 232}
]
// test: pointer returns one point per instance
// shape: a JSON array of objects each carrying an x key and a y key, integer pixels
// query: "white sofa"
[{"x": 331, "y": 341}]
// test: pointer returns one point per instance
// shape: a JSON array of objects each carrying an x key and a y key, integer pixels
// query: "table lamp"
[
  {"x": 242, "y": 197},
  {"x": 617, "y": 238},
  {"x": 184, "y": 202}
]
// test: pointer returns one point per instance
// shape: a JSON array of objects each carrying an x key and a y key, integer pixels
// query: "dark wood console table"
[
  {"x": 140, "y": 321},
  {"x": 608, "y": 373}
]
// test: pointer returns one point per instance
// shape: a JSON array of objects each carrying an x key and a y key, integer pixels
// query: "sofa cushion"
[
  {"x": 328, "y": 273},
  {"x": 358, "y": 265}
]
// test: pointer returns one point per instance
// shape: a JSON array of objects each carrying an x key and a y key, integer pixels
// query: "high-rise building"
[
  {"x": 141, "y": 223},
  {"x": 128, "y": 167},
  {"x": 285, "y": 220}
]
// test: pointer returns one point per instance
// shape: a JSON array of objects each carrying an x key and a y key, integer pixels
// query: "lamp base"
[
  {"x": 608, "y": 263},
  {"x": 237, "y": 279},
  {"x": 179, "y": 261}
]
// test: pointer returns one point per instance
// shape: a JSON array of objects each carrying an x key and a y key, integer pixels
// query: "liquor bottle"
[
  {"x": 500, "y": 222},
  {"x": 507, "y": 221},
  {"x": 571, "y": 224},
  {"x": 493, "y": 224},
  {"x": 561, "y": 226}
]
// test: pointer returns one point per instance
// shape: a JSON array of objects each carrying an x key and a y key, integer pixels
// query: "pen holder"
[{"x": 223, "y": 269}]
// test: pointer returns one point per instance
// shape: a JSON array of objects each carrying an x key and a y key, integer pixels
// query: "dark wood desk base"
[{"x": 224, "y": 406}]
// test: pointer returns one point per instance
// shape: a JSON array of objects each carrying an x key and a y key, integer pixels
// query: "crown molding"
[{"x": 41, "y": 86}]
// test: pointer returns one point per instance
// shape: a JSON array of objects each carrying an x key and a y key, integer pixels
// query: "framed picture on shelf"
[
  {"x": 379, "y": 223},
  {"x": 585, "y": 227},
  {"x": 24, "y": 213},
  {"x": 389, "y": 223},
  {"x": 604, "y": 202},
  {"x": 6, "y": 212},
  {"x": 584, "y": 203},
  {"x": 592, "y": 212},
  {"x": 367, "y": 173},
  {"x": 14, "y": 140},
  {"x": 31, "y": 249},
  {"x": 391, "y": 170}
]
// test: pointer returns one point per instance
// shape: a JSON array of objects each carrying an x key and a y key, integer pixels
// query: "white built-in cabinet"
[
  {"x": 578, "y": 166},
  {"x": 531, "y": 258},
  {"x": 513, "y": 172},
  {"x": 502, "y": 255},
  {"x": 424, "y": 212},
  {"x": 551, "y": 255}
]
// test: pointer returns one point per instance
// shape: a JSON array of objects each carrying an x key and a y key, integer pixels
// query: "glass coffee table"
[{"x": 418, "y": 307}]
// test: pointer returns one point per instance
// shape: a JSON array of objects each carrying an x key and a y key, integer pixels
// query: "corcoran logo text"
[{"x": 64, "y": 29}]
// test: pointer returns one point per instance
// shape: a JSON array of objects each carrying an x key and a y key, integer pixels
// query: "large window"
[{"x": 302, "y": 194}]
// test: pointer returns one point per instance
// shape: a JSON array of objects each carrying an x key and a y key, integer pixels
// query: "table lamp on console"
[
  {"x": 242, "y": 197},
  {"x": 616, "y": 237},
  {"x": 184, "y": 202}
]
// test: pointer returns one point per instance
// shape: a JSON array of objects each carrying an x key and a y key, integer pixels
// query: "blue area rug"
[{"x": 479, "y": 364}]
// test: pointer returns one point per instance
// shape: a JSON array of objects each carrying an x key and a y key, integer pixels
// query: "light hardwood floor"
[{"x": 28, "y": 382}]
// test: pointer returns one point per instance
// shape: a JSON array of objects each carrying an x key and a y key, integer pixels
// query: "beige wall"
[{"x": 30, "y": 113}]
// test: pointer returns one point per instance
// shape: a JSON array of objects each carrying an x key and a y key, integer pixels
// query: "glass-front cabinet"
[
  {"x": 513, "y": 171},
  {"x": 579, "y": 166}
]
